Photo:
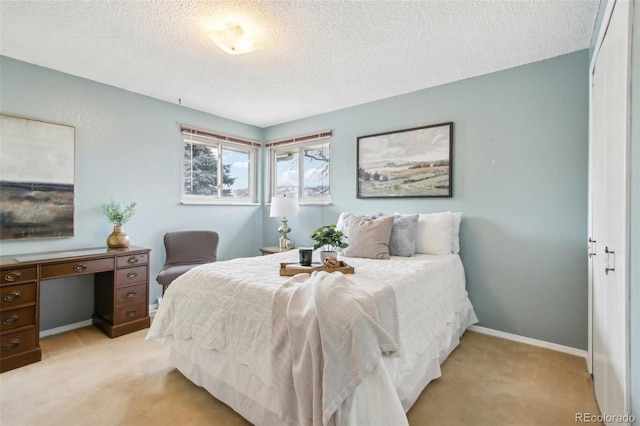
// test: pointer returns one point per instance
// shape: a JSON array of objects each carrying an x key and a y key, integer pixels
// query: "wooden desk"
[{"x": 121, "y": 295}]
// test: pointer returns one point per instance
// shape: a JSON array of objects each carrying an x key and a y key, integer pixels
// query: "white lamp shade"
[{"x": 284, "y": 207}]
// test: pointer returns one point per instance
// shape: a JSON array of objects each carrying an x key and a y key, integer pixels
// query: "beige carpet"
[{"x": 85, "y": 378}]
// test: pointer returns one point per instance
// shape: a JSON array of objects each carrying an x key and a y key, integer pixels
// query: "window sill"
[
  {"x": 218, "y": 203},
  {"x": 315, "y": 203},
  {"x": 309, "y": 203}
]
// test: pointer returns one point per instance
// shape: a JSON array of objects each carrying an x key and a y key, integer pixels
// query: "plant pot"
[
  {"x": 325, "y": 254},
  {"x": 118, "y": 238}
]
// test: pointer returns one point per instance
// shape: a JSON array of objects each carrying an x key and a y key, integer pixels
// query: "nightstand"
[{"x": 272, "y": 250}]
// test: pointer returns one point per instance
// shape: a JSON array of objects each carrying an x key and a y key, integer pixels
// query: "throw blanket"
[{"x": 327, "y": 335}]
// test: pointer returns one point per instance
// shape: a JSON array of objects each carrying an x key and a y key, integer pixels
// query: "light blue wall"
[
  {"x": 128, "y": 147},
  {"x": 520, "y": 179}
]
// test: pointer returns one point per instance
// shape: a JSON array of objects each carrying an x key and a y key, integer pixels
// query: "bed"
[
  {"x": 325, "y": 348},
  {"x": 217, "y": 319}
]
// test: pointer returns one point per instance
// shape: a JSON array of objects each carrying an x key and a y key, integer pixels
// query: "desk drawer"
[
  {"x": 78, "y": 267},
  {"x": 132, "y": 260},
  {"x": 130, "y": 313},
  {"x": 133, "y": 294},
  {"x": 130, "y": 276},
  {"x": 15, "y": 343},
  {"x": 16, "y": 318},
  {"x": 18, "y": 275},
  {"x": 16, "y": 295}
]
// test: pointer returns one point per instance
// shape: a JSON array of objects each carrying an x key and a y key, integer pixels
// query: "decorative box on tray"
[{"x": 290, "y": 269}]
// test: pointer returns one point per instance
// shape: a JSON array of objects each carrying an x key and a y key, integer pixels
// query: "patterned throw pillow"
[
  {"x": 404, "y": 235},
  {"x": 455, "y": 233}
]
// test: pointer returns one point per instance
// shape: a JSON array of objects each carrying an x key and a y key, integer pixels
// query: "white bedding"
[{"x": 224, "y": 309}]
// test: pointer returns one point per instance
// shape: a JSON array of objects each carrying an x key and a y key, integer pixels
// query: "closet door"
[{"x": 609, "y": 188}]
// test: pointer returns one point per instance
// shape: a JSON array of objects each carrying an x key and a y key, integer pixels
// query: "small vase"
[
  {"x": 325, "y": 254},
  {"x": 118, "y": 238}
]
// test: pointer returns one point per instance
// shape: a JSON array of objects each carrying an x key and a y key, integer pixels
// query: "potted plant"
[
  {"x": 329, "y": 239},
  {"x": 118, "y": 214}
]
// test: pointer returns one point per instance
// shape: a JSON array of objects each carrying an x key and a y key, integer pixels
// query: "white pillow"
[
  {"x": 435, "y": 232},
  {"x": 455, "y": 233}
]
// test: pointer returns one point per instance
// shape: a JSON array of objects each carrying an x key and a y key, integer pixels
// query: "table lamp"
[{"x": 284, "y": 206}]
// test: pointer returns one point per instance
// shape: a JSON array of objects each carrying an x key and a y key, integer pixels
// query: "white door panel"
[{"x": 609, "y": 186}]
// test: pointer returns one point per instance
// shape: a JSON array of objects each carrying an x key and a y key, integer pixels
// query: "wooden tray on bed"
[{"x": 290, "y": 269}]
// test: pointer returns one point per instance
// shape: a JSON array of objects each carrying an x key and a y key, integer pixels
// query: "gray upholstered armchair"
[{"x": 185, "y": 250}]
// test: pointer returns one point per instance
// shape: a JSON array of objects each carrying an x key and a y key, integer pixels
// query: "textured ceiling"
[{"x": 314, "y": 56}]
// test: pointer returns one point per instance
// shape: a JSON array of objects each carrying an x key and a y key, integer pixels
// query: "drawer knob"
[
  {"x": 11, "y": 345},
  {"x": 12, "y": 276},
  {"x": 132, "y": 294},
  {"x": 132, "y": 259},
  {"x": 80, "y": 267},
  {"x": 10, "y": 297},
  {"x": 132, "y": 313},
  {"x": 132, "y": 275},
  {"x": 11, "y": 319}
]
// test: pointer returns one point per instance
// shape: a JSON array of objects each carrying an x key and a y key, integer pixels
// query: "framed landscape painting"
[
  {"x": 406, "y": 163},
  {"x": 37, "y": 177}
]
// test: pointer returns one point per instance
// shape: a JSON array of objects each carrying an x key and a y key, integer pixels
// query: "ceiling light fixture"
[{"x": 233, "y": 39}]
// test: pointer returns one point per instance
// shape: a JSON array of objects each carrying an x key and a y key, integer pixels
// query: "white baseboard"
[
  {"x": 68, "y": 327},
  {"x": 57, "y": 330},
  {"x": 534, "y": 342}
]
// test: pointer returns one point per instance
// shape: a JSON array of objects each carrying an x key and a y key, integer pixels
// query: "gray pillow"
[
  {"x": 343, "y": 222},
  {"x": 369, "y": 238},
  {"x": 404, "y": 235}
]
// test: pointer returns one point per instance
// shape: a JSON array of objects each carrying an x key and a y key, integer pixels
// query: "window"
[
  {"x": 217, "y": 168},
  {"x": 300, "y": 167}
]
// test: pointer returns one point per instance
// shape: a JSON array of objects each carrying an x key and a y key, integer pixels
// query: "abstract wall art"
[{"x": 37, "y": 176}]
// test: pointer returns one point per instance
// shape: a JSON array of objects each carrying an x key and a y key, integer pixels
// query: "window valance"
[
  {"x": 207, "y": 134},
  {"x": 310, "y": 137}
]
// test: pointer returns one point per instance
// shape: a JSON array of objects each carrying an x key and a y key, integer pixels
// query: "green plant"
[
  {"x": 118, "y": 213},
  {"x": 329, "y": 238}
]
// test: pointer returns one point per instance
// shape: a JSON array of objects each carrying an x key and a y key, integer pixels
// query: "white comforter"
[{"x": 226, "y": 306}]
